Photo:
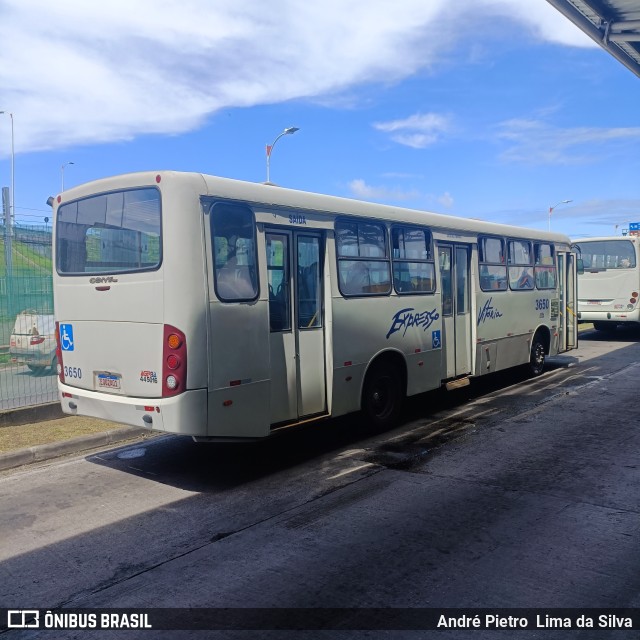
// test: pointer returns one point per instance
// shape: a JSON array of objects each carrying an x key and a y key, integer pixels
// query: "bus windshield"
[
  {"x": 114, "y": 232},
  {"x": 607, "y": 254}
]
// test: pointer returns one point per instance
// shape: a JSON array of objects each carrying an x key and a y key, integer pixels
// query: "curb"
[
  {"x": 28, "y": 415},
  {"x": 42, "y": 452}
]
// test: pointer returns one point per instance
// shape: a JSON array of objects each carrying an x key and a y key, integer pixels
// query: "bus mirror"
[{"x": 580, "y": 265}]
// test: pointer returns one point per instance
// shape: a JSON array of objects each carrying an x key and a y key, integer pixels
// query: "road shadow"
[
  {"x": 622, "y": 333},
  {"x": 219, "y": 466}
]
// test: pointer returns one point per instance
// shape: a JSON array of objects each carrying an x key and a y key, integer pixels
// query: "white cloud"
[
  {"x": 446, "y": 200},
  {"x": 360, "y": 189},
  {"x": 411, "y": 198},
  {"x": 418, "y": 131},
  {"x": 536, "y": 142},
  {"x": 73, "y": 71}
]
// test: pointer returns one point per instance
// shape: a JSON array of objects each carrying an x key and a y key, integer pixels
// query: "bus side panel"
[
  {"x": 184, "y": 272},
  {"x": 239, "y": 369},
  {"x": 506, "y": 324},
  {"x": 366, "y": 327}
]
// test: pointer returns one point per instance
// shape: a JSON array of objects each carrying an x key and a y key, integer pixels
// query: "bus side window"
[
  {"x": 363, "y": 259},
  {"x": 545, "y": 269},
  {"x": 493, "y": 270},
  {"x": 520, "y": 265},
  {"x": 413, "y": 265},
  {"x": 235, "y": 271}
]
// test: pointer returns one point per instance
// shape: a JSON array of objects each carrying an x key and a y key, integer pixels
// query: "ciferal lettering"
[{"x": 103, "y": 280}]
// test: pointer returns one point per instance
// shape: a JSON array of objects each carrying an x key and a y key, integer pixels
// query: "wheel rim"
[
  {"x": 381, "y": 398},
  {"x": 538, "y": 357}
]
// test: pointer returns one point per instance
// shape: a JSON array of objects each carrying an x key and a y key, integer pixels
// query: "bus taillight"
[
  {"x": 174, "y": 362},
  {"x": 59, "y": 354}
]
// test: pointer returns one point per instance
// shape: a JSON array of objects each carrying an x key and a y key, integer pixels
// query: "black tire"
[
  {"x": 605, "y": 326},
  {"x": 537, "y": 358},
  {"x": 382, "y": 396}
]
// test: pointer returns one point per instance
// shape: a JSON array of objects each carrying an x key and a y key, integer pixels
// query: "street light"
[
  {"x": 12, "y": 202},
  {"x": 288, "y": 131},
  {"x": 62, "y": 173},
  {"x": 554, "y": 206}
]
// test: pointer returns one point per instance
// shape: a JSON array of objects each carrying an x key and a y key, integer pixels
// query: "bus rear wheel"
[
  {"x": 382, "y": 396},
  {"x": 537, "y": 358}
]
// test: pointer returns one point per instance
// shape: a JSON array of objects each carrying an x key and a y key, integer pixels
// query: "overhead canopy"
[{"x": 613, "y": 24}]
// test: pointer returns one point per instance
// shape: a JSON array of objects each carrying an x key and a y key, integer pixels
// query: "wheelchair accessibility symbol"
[
  {"x": 66, "y": 337},
  {"x": 435, "y": 340}
]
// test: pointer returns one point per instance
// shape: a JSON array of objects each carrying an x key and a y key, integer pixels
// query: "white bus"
[
  {"x": 609, "y": 281},
  {"x": 220, "y": 309}
]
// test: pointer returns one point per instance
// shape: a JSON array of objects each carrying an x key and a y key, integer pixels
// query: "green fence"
[{"x": 26, "y": 285}]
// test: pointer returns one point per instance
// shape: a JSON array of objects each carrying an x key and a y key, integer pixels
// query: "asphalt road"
[{"x": 510, "y": 493}]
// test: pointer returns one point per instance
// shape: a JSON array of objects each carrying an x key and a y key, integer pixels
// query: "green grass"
[{"x": 26, "y": 261}]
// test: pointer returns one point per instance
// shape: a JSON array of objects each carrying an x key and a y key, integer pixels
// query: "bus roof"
[
  {"x": 602, "y": 238},
  {"x": 275, "y": 196}
]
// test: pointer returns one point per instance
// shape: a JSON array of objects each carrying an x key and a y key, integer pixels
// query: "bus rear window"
[
  {"x": 599, "y": 255},
  {"x": 117, "y": 232}
]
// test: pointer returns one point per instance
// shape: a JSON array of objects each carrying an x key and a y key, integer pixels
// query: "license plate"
[{"x": 108, "y": 381}]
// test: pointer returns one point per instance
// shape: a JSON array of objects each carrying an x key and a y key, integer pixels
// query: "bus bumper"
[
  {"x": 184, "y": 414},
  {"x": 609, "y": 316}
]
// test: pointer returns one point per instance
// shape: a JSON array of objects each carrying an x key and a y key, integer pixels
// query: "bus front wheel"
[{"x": 382, "y": 396}]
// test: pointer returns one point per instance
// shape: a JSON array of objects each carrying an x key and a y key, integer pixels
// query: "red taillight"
[
  {"x": 59, "y": 354},
  {"x": 36, "y": 340},
  {"x": 12, "y": 342},
  {"x": 174, "y": 362}
]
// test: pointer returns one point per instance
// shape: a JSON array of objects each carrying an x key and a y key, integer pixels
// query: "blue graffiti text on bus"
[
  {"x": 406, "y": 318},
  {"x": 488, "y": 312}
]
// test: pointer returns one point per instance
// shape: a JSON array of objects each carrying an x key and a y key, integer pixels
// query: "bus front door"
[
  {"x": 454, "y": 263},
  {"x": 567, "y": 321},
  {"x": 296, "y": 318}
]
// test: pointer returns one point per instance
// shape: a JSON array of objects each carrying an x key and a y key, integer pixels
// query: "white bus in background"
[
  {"x": 610, "y": 284},
  {"x": 220, "y": 309}
]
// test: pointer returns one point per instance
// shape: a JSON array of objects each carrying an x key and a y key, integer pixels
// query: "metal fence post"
[{"x": 8, "y": 251}]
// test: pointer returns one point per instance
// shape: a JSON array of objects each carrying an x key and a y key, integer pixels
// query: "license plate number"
[{"x": 107, "y": 381}]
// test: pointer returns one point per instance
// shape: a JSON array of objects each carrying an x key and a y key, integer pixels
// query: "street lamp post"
[
  {"x": 62, "y": 174},
  {"x": 554, "y": 206},
  {"x": 286, "y": 132}
]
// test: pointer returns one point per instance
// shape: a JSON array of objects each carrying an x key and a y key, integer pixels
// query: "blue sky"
[{"x": 490, "y": 109}]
